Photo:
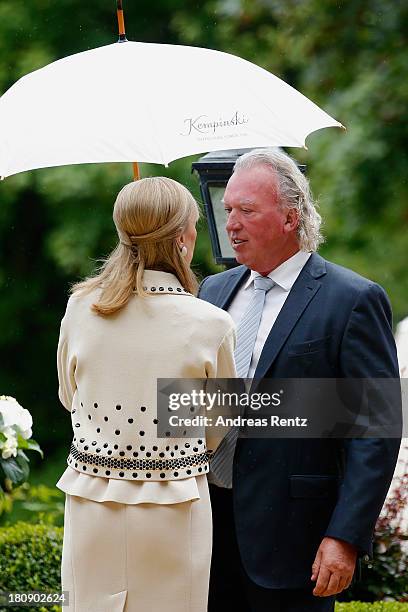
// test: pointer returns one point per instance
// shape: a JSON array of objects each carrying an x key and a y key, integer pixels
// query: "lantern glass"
[{"x": 217, "y": 193}]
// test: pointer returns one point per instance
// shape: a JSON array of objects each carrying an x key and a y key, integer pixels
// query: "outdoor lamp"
[{"x": 214, "y": 170}]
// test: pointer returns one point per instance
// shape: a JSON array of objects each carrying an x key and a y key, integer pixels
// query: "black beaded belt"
[{"x": 139, "y": 464}]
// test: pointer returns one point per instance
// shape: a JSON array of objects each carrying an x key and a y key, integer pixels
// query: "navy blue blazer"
[{"x": 290, "y": 493}]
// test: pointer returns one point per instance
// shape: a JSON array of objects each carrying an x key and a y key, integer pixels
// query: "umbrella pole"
[
  {"x": 122, "y": 38},
  {"x": 121, "y": 21},
  {"x": 136, "y": 171}
]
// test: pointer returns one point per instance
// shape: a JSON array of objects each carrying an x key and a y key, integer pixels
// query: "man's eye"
[{"x": 227, "y": 211}]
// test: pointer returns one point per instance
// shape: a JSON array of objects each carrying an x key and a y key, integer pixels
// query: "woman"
[{"x": 137, "y": 516}]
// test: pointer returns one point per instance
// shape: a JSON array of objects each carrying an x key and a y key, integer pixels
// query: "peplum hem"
[{"x": 99, "y": 489}]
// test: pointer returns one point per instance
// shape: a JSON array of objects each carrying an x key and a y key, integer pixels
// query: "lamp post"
[{"x": 214, "y": 171}]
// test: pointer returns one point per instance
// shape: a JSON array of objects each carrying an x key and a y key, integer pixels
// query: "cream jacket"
[{"x": 108, "y": 367}]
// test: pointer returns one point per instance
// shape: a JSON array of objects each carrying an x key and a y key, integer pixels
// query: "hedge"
[
  {"x": 30, "y": 558},
  {"x": 379, "y": 606}
]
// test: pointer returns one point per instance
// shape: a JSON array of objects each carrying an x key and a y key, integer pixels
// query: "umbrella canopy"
[{"x": 146, "y": 102}]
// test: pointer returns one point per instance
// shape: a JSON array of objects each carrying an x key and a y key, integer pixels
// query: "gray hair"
[{"x": 293, "y": 192}]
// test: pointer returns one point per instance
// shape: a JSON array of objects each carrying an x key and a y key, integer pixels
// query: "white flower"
[
  {"x": 381, "y": 548},
  {"x": 15, "y": 416},
  {"x": 9, "y": 446},
  {"x": 9, "y": 451},
  {"x": 10, "y": 433}
]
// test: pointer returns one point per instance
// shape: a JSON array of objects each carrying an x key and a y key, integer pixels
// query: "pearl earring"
[{"x": 183, "y": 251}]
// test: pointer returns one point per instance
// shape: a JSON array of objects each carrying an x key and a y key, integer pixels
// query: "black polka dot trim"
[
  {"x": 161, "y": 289},
  {"x": 126, "y": 463}
]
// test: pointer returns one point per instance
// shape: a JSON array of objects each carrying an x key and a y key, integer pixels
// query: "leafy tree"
[{"x": 349, "y": 57}]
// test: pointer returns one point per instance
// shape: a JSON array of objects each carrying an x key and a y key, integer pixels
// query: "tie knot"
[{"x": 263, "y": 283}]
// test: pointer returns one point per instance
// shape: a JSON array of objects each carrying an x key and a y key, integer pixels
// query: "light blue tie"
[
  {"x": 248, "y": 326},
  {"x": 221, "y": 463}
]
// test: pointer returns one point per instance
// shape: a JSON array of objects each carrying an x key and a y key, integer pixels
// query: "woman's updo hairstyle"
[{"x": 149, "y": 215}]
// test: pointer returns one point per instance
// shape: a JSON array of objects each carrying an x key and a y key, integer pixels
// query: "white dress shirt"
[{"x": 284, "y": 277}]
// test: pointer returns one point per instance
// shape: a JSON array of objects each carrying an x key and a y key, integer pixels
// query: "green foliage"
[
  {"x": 29, "y": 444},
  {"x": 15, "y": 469},
  {"x": 385, "y": 576},
  {"x": 379, "y": 606},
  {"x": 33, "y": 504},
  {"x": 6, "y": 502},
  {"x": 30, "y": 559},
  {"x": 349, "y": 57},
  {"x": 45, "y": 504}
]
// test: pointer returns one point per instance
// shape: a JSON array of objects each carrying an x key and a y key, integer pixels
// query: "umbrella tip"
[
  {"x": 305, "y": 147},
  {"x": 343, "y": 127}
]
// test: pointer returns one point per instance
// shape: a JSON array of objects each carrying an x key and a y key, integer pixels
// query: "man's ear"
[{"x": 292, "y": 220}]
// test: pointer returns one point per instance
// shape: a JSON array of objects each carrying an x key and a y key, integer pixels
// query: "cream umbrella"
[{"x": 148, "y": 102}]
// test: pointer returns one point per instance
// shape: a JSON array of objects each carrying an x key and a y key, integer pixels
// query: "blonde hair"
[{"x": 149, "y": 215}]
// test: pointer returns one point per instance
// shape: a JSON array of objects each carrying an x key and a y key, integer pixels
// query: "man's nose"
[{"x": 233, "y": 222}]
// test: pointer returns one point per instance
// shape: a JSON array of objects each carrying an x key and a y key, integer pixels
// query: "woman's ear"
[{"x": 181, "y": 246}]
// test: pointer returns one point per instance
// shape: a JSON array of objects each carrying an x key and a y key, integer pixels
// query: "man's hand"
[{"x": 333, "y": 567}]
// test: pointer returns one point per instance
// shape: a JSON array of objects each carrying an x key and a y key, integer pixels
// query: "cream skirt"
[{"x": 137, "y": 558}]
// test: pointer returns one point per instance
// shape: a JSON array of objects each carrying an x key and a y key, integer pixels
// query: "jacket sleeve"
[
  {"x": 225, "y": 365},
  {"x": 201, "y": 290},
  {"x": 66, "y": 370},
  {"x": 224, "y": 369},
  {"x": 367, "y": 353}
]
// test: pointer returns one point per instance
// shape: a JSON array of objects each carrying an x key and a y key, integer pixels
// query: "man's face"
[{"x": 261, "y": 232}]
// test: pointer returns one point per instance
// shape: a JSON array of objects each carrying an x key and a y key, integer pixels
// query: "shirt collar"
[{"x": 285, "y": 274}]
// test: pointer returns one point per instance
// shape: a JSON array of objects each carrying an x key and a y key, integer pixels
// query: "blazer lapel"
[
  {"x": 230, "y": 286},
  {"x": 304, "y": 289}
]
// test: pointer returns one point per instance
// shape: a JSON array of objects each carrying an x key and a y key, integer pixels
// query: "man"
[{"x": 301, "y": 511}]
